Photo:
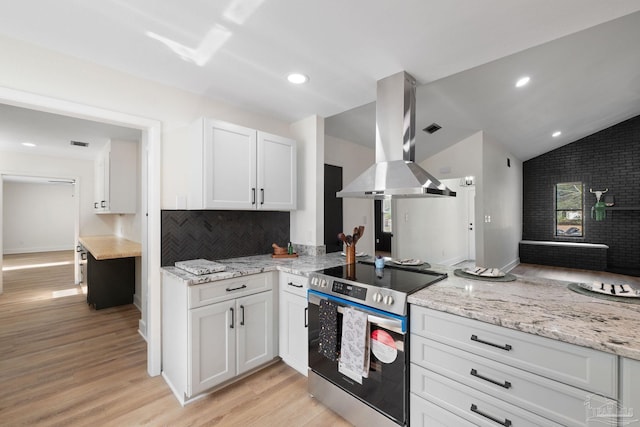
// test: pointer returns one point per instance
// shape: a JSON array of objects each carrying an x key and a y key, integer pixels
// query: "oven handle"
[{"x": 388, "y": 321}]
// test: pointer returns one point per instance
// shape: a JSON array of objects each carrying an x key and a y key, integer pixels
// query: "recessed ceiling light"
[
  {"x": 556, "y": 134},
  {"x": 522, "y": 81},
  {"x": 297, "y": 78},
  {"x": 28, "y": 144}
]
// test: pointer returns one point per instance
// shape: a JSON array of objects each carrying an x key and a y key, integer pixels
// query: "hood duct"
[{"x": 395, "y": 173}]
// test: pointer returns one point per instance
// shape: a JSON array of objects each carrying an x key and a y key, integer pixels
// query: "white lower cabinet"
[
  {"x": 215, "y": 331},
  {"x": 629, "y": 410},
  {"x": 490, "y": 375},
  {"x": 293, "y": 334}
]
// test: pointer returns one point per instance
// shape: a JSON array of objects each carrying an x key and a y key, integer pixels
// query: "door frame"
[{"x": 151, "y": 146}]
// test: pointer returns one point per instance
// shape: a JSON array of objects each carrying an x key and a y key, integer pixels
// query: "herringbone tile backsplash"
[{"x": 220, "y": 234}]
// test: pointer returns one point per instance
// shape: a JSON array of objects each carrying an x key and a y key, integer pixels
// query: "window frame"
[{"x": 557, "y": 210}]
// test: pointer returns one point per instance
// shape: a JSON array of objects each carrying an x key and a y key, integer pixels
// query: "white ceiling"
[
  {"x": 52, "y": 133},
  {"x": 240, "y": 51}
]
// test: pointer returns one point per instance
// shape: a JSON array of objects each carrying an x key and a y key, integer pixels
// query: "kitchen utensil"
[
  {"x": 349, "y": 240},
  {"x": 342, "y": 237}
]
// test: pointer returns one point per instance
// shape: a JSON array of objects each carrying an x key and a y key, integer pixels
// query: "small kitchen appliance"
[{"x": 379, "y": 396}]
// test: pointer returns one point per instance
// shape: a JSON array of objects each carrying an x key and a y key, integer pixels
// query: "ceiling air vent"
[
  {"x": 432, "y": 128},
  {"x": 80, "y": 143}
]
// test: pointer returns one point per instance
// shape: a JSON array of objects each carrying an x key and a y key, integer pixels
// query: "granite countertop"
[
  {"x": 537, "y": 306},
  {"x": 541, "y": 307},
  {"x": 110, "y": 247},
  {"x": 236, "y": 267}
]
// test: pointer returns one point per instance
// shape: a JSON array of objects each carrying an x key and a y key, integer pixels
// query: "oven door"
[{"x": 385, "y": 388}]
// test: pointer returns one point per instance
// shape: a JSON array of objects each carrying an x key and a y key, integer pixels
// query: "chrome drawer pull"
[
  {"x": 475, "y": 373},
  {"x": 505, "y": 423},
  {"x": 506, "y": 347},
  {"x": 236, "y": 289},
  {"x": 232, "y": 318},
  {"x": 294, "y": 285}
]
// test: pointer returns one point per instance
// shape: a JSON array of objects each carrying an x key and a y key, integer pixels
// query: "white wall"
[
  {"x": 307, "y": 221},
  {"x": 433, "y": 229},
  {"x": 15, "y": 163},
  {"x": 33, "y": 69},
  {"x": 354, "y": 159},
  {"x": 38, "y": 217},
  {"x": 502, "y": 202}
]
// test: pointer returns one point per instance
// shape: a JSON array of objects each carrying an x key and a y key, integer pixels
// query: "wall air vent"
[
  {"x": 80, "y": 143},
  {"x": 432, "y": 128}
]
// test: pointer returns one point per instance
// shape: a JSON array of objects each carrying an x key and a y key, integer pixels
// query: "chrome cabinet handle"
[
  {"x": 294, "y": 285},
  {"x": 95, "y": 205},
  {"x": 475, "y": 373},
  {"x": 242, "y": 321},
  {"x": 505, "y": 423},
  {"x": 236, "y": 289},
  {"x": 103, "y": 204},
  {"x": 232, "y": 318},
  {"x": 262, "y": 196},
  {"x": 505, "y": 347},
  {"x": 253, "y": 196},
  {"x": 306, "y": 317}
]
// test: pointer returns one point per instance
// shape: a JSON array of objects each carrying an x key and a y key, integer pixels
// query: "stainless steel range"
[{"x": 360, "y": 301}]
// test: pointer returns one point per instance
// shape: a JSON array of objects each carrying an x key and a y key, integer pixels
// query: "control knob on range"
[
  {"x": 377, "y": 297},
  {"x": 323, "y": 283},
  {"x": 388, "y": 299}
]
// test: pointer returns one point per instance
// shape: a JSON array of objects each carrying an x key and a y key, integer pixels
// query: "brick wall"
[{"x": 607, "y": 159}]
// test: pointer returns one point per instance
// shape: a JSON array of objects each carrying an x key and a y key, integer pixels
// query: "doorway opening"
[
  {"x": 383, "y": 218},
  {"x": 332, "y": 208},
  {"x": 150, "y": 322}
]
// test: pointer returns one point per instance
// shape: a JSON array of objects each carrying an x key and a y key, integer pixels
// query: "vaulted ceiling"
[{"x": 465, "y": 54}]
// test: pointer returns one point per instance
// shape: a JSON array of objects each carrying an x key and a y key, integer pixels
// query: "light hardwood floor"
[{"x": 63, "y": 363}]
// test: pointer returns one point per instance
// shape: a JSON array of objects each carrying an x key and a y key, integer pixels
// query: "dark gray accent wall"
[
  {"x": 212, "y": 235},
  {"x": 607, "y": 159}
]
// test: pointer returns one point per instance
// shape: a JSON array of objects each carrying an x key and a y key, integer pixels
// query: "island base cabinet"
[
  {"x": 629, "y": 410},
  {"x": 293, "y": 324},
  {"x": 212, "y": 344},
  {"x": 426, "y": 414},
  {"x": 208, "y": 346},
  {"x": 110, "y": 282}
]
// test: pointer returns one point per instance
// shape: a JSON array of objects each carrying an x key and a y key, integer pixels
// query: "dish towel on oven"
[
  {"x": 354, "y": 347},
  {"x": 328, "y": 319}
]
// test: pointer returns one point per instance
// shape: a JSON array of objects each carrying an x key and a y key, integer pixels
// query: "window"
[
  {"x": 569, "y": 209},
  {"x": 386, "y": 216}
]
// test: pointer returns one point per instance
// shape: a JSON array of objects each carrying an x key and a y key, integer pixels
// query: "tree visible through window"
[{"x": 569, "y": 209}]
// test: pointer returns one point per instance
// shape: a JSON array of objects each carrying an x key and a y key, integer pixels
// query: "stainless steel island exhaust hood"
[{"x": 395, "y": 173}]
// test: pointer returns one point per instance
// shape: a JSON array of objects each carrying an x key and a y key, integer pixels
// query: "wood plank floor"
[{"x": 63, "y": 363}]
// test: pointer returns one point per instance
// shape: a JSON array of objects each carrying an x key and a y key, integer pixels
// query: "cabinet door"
[
  {"x": 294, "y": 331},
  {"x": 276, "y": 172},
  {"x": 254, "y": 320},
  {"x": 229, "y": 166},
  {"x": 212, "y": 344},
  {"x": 99, "y": 202}
]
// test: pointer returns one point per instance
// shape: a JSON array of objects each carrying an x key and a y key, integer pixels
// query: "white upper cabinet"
[
  {"x": 234, "y": 167},
  {"x": 116, "y": 178}
]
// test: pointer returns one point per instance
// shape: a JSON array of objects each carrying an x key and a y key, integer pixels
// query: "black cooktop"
[{"x": 398, "y": 279}]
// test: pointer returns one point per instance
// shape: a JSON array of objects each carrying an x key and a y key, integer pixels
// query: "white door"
[
  {"x": 471, "y": 224},
  {"x": 254, "y": 320},
  {"x": 229, "y": 166},
  {"x": 276, "y": 172},
  {"x": 294, "y": 331},
  {"x": 213, "y": 346}
]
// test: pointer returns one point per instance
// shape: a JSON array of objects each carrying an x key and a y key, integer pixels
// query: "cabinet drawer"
[
  {"x": 551, "y": 399},
  {"x": 567, "y": 363},
  {"x": 209, "y": 293},
  {"x": 426, "y": 414},
  {"x": 294, "y": 284},
  {"x": 478, "y": 408}
]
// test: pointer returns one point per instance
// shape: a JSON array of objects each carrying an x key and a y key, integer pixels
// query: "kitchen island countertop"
[
  {"x": 110, "y": 247},
  {"x": 243, "y": 266},
  {"x": 539, "y": 306}
]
